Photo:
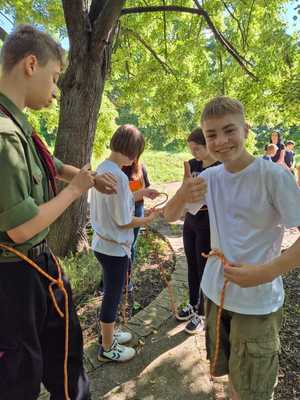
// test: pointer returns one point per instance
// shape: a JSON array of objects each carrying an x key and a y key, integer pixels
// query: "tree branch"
[
  {"x": 197, "y": 11},
  {"x": 164, "y": 65},
  {"x": 75, "y": 20},
  {"x": 105, "y": 22},
  {"x": 237, "y": 21}
]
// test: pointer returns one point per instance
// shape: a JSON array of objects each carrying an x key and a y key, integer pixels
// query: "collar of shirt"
[{"x": 18, "y": 115}]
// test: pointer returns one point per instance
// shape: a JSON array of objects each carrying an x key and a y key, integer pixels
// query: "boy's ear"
[
  {"x": 30, "y": 63},
  {"x": 247, "y": 129}
]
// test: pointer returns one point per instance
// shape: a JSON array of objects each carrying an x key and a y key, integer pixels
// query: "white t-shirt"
[
  {"x": 109, "y": 212},
  {"x": 248, "y": 211}
]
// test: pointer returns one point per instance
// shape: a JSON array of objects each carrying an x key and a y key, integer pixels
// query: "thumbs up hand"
[{"x": 192, "y": 189}]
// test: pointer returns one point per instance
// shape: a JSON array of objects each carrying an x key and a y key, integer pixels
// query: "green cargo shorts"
[{"x": 248, "y": 351}]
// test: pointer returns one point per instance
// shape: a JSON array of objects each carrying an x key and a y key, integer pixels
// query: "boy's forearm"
[
  {"x": 67, "y": 172},
  {"x": 175, "y": 207},
  {"x": 287, "y": 261},
  {"x": 47, "y": 214}
]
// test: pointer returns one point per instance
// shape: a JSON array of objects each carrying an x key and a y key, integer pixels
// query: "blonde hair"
[{"x": 220, "y": 106}]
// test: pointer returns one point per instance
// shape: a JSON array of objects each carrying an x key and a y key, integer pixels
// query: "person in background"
[
  {"x": 270, "y": 151},
  {"x": 139, "y": 185},
  {"x": 280, "y": 153},
  {"x": 196, "y": 238},
  {"x": 290, "y": 155}
]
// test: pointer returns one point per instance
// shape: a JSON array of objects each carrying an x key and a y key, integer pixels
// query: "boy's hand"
[
  {"x": 192, "y": 189},
  {"x": 246, "y": 275},
  {"x": 83, "y": 181},
  {"x": 106, "y": 183}
]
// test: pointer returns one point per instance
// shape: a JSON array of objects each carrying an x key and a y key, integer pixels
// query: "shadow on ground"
[{"x": 170, "y": 366}]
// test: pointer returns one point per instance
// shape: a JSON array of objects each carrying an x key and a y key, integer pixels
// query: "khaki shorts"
[{"x": 248, "y": 351}]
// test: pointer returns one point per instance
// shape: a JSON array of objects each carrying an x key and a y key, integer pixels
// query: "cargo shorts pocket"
[
  {"x": 10, "y": 364},
  {"x": 254, "y": 368}
]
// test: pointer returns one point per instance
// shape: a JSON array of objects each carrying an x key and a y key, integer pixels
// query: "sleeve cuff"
[{"x": 18, "y": 215}]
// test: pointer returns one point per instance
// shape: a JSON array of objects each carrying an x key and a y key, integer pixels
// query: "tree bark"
[{"x": 81, "y": 93}]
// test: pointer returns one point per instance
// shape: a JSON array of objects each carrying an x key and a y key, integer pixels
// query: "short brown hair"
[
  {"x": 271, "y": 147},
  {"x": 128, "y": 141},
  {"x": 26, "y": 40},
  {"x": 221, "y": 106},
  {"x": 197, "y": 136}
]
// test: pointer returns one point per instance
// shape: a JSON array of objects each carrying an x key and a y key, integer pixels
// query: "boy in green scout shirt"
[{"x": 32, "y": 334}]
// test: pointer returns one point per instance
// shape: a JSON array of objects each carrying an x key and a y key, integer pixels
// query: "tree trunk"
[{"x": 82, "y": 87}]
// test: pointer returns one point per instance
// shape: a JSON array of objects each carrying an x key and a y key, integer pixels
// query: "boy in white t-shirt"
[{"x": 249, "y": 202}]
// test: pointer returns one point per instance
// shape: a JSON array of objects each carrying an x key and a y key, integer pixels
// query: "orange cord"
[
  {"x": 60, "y": 284},
  {"x": 220, "y": 255},
  {"x": 162, "y": 202}
]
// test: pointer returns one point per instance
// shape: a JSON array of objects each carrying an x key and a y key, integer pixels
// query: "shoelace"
[{"x": 196, "y": 319}]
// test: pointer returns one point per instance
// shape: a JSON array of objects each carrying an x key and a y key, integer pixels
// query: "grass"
[
  {"x": 84, "y": 271},
  {"x": 162, "y": 166}
]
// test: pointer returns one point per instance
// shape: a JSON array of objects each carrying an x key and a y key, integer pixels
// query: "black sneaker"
[
  {"x": 185, "y": 313},
  {"x": 195, "y": 325}
]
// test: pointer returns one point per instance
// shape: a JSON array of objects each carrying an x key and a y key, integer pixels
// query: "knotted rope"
[
  {"x": 220, "y": 255},
  {"x": 60, "y": 284}
]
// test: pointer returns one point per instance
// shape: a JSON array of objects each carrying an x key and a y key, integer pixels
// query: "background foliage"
[{"x": 166, "y": 65}]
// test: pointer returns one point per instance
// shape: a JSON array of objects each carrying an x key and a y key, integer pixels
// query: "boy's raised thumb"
[{"x": 187, "y": 170}]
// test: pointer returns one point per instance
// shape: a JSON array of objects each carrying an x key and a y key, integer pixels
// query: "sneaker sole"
[
  {"x": 194, "y": 332},
  {"x": 184, "y": 318},
  {"x": 104, "y": 359}
]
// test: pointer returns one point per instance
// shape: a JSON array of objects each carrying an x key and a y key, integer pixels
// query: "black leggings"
[
  {"x": 32, "y": 335},
  {"x": 114, "y": 277},
  {"x": 196, "y": 239}
]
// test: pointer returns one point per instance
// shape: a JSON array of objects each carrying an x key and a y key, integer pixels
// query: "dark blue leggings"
[{"x": 114, "y": 277}]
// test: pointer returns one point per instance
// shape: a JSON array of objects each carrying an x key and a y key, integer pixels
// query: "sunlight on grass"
[{"x": 162, "y": 166}]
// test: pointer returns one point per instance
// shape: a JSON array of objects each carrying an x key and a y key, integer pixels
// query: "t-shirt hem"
[{"x": 248, "y": 311}]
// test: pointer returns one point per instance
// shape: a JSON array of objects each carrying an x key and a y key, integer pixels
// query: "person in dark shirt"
[
  {"x": 196, "y": 239},
  {"x": 280, "y": 153},
  {"x": 289, "y": 155}
]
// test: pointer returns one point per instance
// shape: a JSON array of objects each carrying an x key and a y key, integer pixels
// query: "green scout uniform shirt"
[{"x": 23, "y": 182}]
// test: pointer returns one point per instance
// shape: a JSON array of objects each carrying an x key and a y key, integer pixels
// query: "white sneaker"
[
  {"x": 117, "y": 353},
  {"x": 122, "y": 337}
]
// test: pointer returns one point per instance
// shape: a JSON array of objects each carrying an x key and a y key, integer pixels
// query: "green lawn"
[{"x": 162, "y": 166}]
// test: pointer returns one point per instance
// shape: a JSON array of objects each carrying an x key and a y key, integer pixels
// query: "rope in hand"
[
  {"x": 60, "y": 284},
  {"x": 220, "y": 255}
]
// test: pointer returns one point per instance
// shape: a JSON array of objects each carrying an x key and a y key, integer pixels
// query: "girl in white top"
[{"x": 113, "y": 222}]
